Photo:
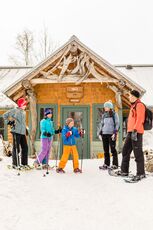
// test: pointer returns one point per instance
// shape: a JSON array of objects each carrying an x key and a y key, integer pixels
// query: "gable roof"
[{"x": 114, "y": 72}]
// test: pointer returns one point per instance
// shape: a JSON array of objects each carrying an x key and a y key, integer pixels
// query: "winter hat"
[
  {"x": 69, "y": 120},
  {"x": 108, "y": 104},
  {"x": 21, "y": 102},
  {"x": 47, "y": 111},
  {"x": 135, "y": 93}
]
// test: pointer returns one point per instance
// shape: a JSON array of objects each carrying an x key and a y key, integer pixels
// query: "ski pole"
[
  {"x": 82, "y": 136},
  {"x": 48, "y": 157},
  {"x": 57, "y": 153},
  {"x": 17, "y": 154}
]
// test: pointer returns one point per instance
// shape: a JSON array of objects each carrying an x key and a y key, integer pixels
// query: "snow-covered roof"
[
  {"x": 142, "y": 75},
  {"x": 8, "y": 76}
]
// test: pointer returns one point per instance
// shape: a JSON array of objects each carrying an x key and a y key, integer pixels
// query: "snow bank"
[
  {"x": 89, "y": 201},
  {"x": 148, "y": 140}
]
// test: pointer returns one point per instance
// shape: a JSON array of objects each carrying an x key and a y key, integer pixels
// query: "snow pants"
[
  {"x": 136, "y": 146},
  {"x": 43, "y": 156},
  {"x": 67, "y": 150},
  {"x": 19, "y": 142},
  {"x": 108, "y": 143}
]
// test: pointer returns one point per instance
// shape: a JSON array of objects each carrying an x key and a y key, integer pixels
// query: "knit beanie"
[
  {"x": 135, "y": 93},
  {"x": 47, "y": 111},
  {"x": 21, "y": 102},
  {"x": 69, "y": 120},
  {"x": 108, "y": 104}
]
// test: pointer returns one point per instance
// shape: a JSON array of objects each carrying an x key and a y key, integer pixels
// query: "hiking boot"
[
  {"x": 77, "y": 170},
  {"x": 104, "y": 167},
  {"x": 60, "y": 170}
]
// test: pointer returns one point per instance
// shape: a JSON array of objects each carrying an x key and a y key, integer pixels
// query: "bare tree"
[
  {"x": 24, "y": 46},
  {"x": 45, "y": 45},
  {"x": 29, "y": 50}
]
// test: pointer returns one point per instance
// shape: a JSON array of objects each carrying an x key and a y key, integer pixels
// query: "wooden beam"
[
  {"x": 67, "y": 80},
  {"x": 18, "y": 95}
]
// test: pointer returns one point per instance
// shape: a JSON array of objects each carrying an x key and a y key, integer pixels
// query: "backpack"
[{"x": 148, "y": 118}]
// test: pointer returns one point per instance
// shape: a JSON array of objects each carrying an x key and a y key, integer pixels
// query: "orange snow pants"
[{"x": 67, "y": 150}]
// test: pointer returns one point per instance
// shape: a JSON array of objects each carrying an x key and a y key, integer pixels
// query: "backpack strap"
[{"x": 113, "y": 117}]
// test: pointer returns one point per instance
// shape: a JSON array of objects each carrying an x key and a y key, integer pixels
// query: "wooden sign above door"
[{"x": 74, "y": 92}]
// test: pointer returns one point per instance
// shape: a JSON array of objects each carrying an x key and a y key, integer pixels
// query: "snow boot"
[
  {"x": 77, "y": 170},
  {"x": 60, "y": 170}
]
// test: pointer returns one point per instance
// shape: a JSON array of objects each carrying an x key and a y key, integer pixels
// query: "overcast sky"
[{"x": 121, "y": 31}]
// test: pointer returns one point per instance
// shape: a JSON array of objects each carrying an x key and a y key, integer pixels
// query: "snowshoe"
[
  {"x": 103, "y": 167},
  {"x": 37, "y": 166},
  {"x": 26, "y": 167},
  {"x": 44, "y": 166},
  {"x": 134, "y": 179},
  {"x": 117, "y": 173},
  {"x": 77, "y": 170},
  {"x": 60, "y": 170},
  {"x": 13, "y": 167},
  {"x": 113, "y": 167}
]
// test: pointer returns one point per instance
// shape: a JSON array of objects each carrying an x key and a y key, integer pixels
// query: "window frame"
[
  {"x": 40, "y": 106},
  {"x": 94, "y": 117}
]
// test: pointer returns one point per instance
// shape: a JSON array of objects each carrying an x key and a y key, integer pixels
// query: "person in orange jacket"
[{"x": 134, "y": 137}]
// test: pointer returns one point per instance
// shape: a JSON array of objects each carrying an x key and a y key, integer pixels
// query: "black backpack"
[{"x": 148, "y": 118}]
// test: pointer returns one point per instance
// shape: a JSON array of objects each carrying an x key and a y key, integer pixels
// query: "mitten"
[
  {"x": 82, "y": 132},
  {"x": 59, "y": 130},
  {"x": 48, "y": 134},
  {"x": 68, "y": 134},
  {"x": 11, "y": 123}
]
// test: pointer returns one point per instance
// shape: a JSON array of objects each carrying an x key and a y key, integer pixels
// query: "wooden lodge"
[{"x": 74, "y": 82}]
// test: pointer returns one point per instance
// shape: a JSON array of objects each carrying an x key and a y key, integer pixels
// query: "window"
[
  {"x": 78, "y": 119},
  {"x": 40, "y": 109},
  {"x": 97, "y": 114},
  {"x": 3, "y": 128}
]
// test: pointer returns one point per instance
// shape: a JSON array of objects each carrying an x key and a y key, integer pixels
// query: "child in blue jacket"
[{"x": 69, "y": 133}]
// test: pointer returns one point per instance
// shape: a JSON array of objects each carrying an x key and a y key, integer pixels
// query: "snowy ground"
[{"x": 89, "y": 201}]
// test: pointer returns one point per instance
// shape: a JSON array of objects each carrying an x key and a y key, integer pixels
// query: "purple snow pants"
[{"x": 43, "y": 156}]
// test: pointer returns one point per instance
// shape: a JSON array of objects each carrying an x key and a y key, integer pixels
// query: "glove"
[
  {"x": 47, "y": 134},
  {"x": 11, "y": 123},
  {"x": 101, "y": 133},
  {"x": 82, "y": 132},
  {"x": 134, "y": 135},
  {"x": 114, "y": 136},
  {"x": 69, "y": 133},
  {"x": 59, "y": 130}
]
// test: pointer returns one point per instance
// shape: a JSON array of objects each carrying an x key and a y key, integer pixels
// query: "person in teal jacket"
[{"x": 47, "y": 133}]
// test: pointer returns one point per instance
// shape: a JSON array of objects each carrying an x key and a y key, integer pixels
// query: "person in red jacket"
[{"x": 134, "y": 137}]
